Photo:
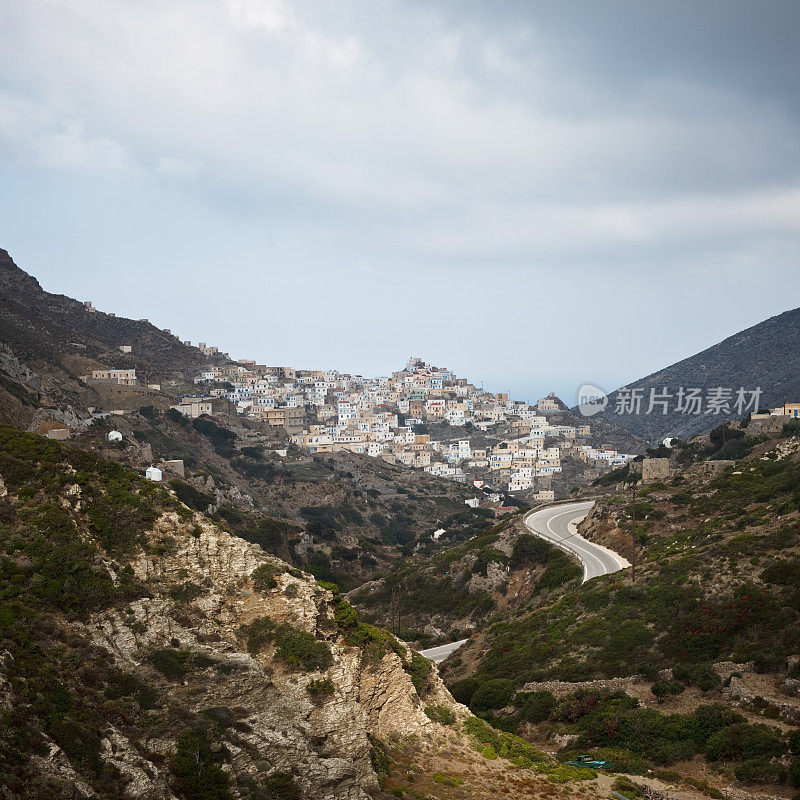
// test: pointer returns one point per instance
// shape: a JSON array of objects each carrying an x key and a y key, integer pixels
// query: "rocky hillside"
[
  {"x": 442, "y": 597},
  {"x": 148, "y": 653},
  {"x": 344, "y": 518},
  {"x": 766, "y": 356},
  {"x": 692, "y": 673},
  {"x": 47, "y": 341}
]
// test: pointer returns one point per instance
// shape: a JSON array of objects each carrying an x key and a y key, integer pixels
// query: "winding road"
[
  {"x": 438, "y": 654},
  {"x": 557, "y": 525}
]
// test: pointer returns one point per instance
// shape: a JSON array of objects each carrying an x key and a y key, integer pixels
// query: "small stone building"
[{"x": 655, "y": 469}]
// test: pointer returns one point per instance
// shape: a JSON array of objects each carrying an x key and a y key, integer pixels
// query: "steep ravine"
[
  {"x": 325, "y": 745},
  {"x": 148, "y": 652}
]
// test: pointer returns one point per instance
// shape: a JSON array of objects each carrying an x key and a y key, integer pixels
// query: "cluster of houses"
[
  {"x": 326, "y": 411},
  {"x": 786, "y": 410}
]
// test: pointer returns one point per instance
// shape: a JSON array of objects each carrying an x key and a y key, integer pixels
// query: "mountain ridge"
[{"x": 765, "y": 355}]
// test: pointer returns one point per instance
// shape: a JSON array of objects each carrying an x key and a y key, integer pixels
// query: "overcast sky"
[{"x": 536, "y": 194}]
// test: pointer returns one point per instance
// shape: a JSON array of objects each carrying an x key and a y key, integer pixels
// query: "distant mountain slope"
[
  {"x": 766, "y": 356},
  {"x": 58, "y": 339},
  {"x": 39, "y": 325}
]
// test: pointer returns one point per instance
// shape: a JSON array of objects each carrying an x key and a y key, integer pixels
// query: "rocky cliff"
[{"x": 148, "y": 652}]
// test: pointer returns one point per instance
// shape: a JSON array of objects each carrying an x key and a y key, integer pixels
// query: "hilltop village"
[{"x": 422, "y": 416}]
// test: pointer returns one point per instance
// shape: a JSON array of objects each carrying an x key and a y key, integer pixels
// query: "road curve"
[
  {"x": 553, "y": 524},
  {"x": 437, "y": 654}
]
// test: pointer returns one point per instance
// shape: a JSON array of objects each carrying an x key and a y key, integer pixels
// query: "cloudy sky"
[{"x": 536, "y": 193}]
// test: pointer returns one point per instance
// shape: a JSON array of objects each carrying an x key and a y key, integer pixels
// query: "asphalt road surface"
[
  {"x": 440, "y": 653},
  {"x": 553, "y": 524}
]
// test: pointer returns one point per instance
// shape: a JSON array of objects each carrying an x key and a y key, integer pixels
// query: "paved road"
[
  {"x": 440, "y": 653},
  {"x": 553, "y": 524}
]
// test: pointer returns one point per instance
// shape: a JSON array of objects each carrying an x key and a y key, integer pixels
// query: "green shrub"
[
  {"x": 709, "y": 719},
  {"x": 420, "y": 670},
  {"x": 325, "y": 521},
  {"x": 186, "y": 592},
  {"x": 447, "y": 780},
  {"x": 269, "y": 534},
  {"x": 491, "y": 694},
  {"x": 297, "y": 648},
  {"x": 529, "y": 550},
  {"x": 663, "y": 689},
  {"x": 320, "y": 688},
  {"x": 782, "y": 573},
  {"x": 463, "y": 690},
  {"x": 743, "y": 741},
  {"x": 561, "y": 569},
  {"x": 282, "y": 786},
  {"x": 627, "y": 788},
  {"x": 486, "y": 556},
  {"x": 221, "y": 438},
  {"x": 256, "y": 453},
  {"x": 188, "y": 495},
  {"x": 441, "y": 714},
  {"x": 172, "y": 664},
  {"x": 120, "y": 516},
  {"x": 198, "y": 774},
  {"x": 760, "y": 770},
  {"x": 707, "y": 680},
  {"x": 536, "y": 706},
  {"x": 381, "y": 762},
  {"x": 794, "y": 771},
  {"x": 491, "y": 741},
  {"x": 264, "y": 578},
  {"x": 374, "y": 642}
]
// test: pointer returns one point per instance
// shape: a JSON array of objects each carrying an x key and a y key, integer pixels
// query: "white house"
[
  {"x": 473, "y": 502},
  {"x": 153, "y": 474},
  {"x": 114, "y": 436}
]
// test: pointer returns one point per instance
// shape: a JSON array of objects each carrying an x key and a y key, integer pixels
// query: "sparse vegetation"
[
  {"x": 264, "y": 578},
  {"x": 296, "y": 648}
]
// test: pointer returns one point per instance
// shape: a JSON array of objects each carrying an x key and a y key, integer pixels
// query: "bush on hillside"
[
  {"x": 491, "y": 694},
  {"x": 264, "y": 578},
  {"x": 197, "y": 769},
  {"x": 760, "y": 770},
  {"x": 743, "y": 741},
  {"x": 463, "y": 690},
  {"x": 529, "y": 550},
  {"x": 188, "y": 495},
  {"x": 298, "y": 649}
]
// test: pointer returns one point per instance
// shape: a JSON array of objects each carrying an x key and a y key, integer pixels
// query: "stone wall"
[
  {"x": 560, "y": 688},
  {"x": 655, "y": 469}
]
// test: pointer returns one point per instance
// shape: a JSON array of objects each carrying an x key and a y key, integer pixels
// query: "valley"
[{"x": 209, "y": 606}]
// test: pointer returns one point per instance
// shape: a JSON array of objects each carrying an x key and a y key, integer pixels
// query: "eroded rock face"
[
  {"x": 278, "y": 727},
  {"x": 496, "y": 576}
]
